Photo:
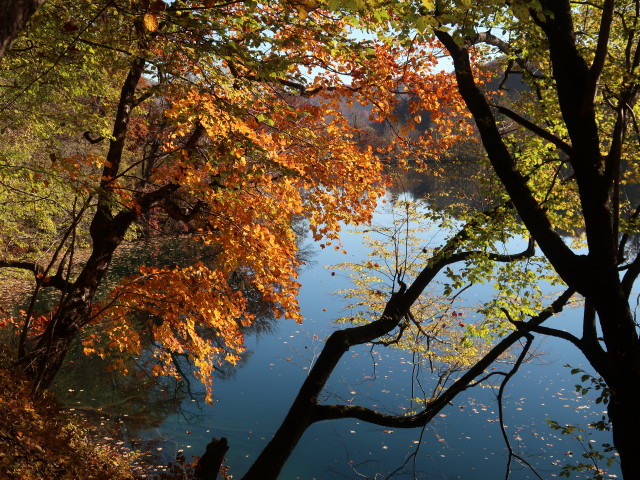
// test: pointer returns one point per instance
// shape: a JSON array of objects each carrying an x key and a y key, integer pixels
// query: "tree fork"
[
  {"x": 305, "y": 409},
  {"x": 107, "y": 233}
]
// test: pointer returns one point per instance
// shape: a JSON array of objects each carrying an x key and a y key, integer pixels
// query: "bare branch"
[
  {"x": 503, "y": 384},
  {"x": 56, "y": 280}
]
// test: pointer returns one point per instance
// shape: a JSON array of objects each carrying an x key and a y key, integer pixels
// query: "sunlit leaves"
[
  {"x": 150, "y": 22},
  {"x": 440, "y": 330},
  {"x": 268, "y": 87}
]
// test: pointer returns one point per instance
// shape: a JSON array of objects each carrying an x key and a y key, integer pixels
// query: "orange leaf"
[{"x": 150, "y": 22}]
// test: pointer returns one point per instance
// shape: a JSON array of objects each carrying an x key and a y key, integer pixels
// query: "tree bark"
[
  {"x": 624, "y": 414},
  {"x": 14, "y": 15}
]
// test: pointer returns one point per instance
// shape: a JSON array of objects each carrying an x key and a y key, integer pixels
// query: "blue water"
[{"x": 464, "y": 441}]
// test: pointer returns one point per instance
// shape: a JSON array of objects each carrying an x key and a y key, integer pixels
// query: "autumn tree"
[
  {"x": 215, "y": 96},
  {"x": 200, "y": 112},
  {"x": 209, "y": 126}
]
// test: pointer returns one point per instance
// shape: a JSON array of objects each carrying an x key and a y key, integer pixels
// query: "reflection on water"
[{"x": 252, "y": 398}]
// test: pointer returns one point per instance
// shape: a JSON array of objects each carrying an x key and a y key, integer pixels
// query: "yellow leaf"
[
  {"x": 150, "y": 22},
  {"x": 302, "y": 13}
]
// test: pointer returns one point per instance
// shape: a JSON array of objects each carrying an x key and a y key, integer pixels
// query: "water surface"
[{"x": 464, "y": 441}]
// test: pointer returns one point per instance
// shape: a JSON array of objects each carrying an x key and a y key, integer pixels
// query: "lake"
[{"x": 463, "y": 442}]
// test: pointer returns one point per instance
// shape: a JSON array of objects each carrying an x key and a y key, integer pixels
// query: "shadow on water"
[{"x": 134, "y": 406}]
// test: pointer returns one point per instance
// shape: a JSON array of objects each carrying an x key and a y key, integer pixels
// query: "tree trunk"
[
  {"x": 301, "y": 414},
  {"x": 43, "y": 361},
  {"x": 624, "y": 413},
  {"x": 273, "y": 457},
  {"x": 620, "y": 370},
  {"x": 14, "y": 15},
  {"x": 107, "y": 233}
]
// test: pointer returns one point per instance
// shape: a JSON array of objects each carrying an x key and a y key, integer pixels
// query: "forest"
[{"x": 235, "y": 129}]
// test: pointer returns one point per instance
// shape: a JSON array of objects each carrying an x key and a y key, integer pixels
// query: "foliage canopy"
[{"x": 229, "y": 119}]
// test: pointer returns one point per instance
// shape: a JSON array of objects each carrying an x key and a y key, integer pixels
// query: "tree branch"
[
  {"x": 92, "y": 141},
  {"x": 503, "y": 384},
  {"x": 631, "y": 276},
  {"x": 539, "y": 131},
  {"x": 591, "y": 347},
  {"x": 552, "y": 332},
  {"x": 570, "y": 266},
  {"x": 329, "y": 412},
  {"x": 176, "y": 212},
  {"x": 56, "y": 281},
  {"x": 625, "y": 236},
  {"x": 601, "y": 51},
  {"x": 504, "y": 47},
  {"x": 305, "y": 411},
  {"x": 101, "y": 222},
  {"x": 302, "y": 89}
]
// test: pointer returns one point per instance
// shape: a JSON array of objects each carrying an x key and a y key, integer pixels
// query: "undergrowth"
[{"x": 38, "y": 441}]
